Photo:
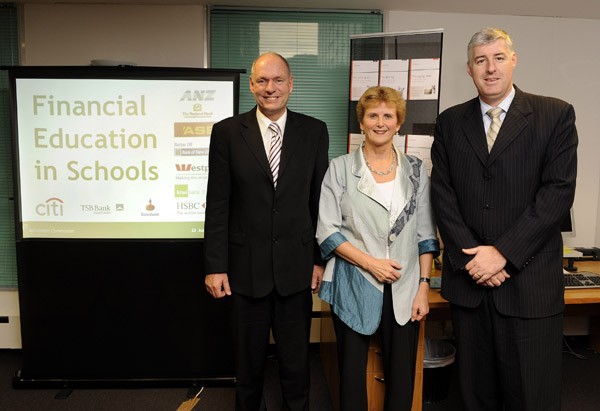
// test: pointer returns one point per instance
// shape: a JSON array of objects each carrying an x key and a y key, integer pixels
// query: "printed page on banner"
[
  {"x": 424, "y": 79},
  {"x": 394, "y": 74},
  {"x": 420, "y": 146},
  {"x": 116, "y": 158},
  {"x": 365, "y": 74}
]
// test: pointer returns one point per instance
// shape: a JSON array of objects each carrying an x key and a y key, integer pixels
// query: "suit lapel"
[
  {"x": 474, "y": 131},
  {"x": 253, "y": 138},
  {"x": 291, "y": 138},
  {"x": 513, "y": 125}
]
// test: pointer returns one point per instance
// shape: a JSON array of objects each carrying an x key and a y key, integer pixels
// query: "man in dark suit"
[
  {"x": 499, "y": 201},
  {"x": 260, "y": 246}
]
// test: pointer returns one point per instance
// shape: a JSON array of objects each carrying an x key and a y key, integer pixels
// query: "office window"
[
  {"x": 317, "y": 46},
  {"x": 8, "y": 57}
]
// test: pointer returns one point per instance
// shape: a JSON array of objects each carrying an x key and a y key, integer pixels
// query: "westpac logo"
[
  {"x": 52, "y": 207},
  {"x": 182, "y": 167}
]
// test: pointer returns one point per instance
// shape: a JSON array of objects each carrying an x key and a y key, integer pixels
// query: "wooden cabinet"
[{"x": 375, "y": 379}]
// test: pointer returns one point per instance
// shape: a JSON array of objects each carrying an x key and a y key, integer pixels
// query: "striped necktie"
[
  {"x": 492, "y": 133},
  {"x": 275, "y": 152}
]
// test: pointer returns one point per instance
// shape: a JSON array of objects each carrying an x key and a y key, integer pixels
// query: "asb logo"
[
  {"x": 192, "y": 129},
  {"x": 53, "y": 207}
]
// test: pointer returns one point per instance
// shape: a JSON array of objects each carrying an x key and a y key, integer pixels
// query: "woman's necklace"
[{"x": 380, "y": 173}]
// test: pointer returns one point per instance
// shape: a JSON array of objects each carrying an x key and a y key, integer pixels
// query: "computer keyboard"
[{"x": 582, "y": 279}]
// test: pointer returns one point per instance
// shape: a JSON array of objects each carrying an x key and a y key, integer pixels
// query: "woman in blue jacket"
[{"x": 376, "y": 230}]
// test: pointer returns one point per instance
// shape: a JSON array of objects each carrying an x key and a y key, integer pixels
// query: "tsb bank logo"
[{"x": 53, "y": 207}]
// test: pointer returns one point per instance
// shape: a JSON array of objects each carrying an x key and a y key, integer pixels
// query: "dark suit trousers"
[
  {"x": 507, "y": 363},
  {"x": 289, "y": 319},
  {"x": 399, "y": 349}
]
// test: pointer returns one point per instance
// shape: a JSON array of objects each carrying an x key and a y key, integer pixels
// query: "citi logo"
[{"x": 53, "y": 207}]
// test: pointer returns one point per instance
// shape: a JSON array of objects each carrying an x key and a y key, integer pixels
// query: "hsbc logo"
[{"x": 191, "y": 168}]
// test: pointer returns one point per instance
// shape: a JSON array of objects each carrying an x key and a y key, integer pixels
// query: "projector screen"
[{"x": 115, "y": 152}]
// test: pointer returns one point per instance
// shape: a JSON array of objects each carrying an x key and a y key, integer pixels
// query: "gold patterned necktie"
[
  {"x": 492, "y": 133},
  {"x": 275, "y": 151}
]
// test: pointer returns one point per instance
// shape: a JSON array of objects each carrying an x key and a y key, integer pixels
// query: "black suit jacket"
[
  {"x": 262, "y": 237},
  {"x": 513, "y": 198}
]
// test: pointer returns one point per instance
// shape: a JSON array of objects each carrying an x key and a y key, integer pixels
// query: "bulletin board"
[{"x": 410, "y": 62}]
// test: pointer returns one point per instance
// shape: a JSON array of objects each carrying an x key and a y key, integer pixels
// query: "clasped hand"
[
  {"x": 487, "y": 267},
  {"x": 384, "y": 270}
]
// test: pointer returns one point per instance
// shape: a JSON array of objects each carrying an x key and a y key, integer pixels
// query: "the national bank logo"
[{"x": 52, "y": 207}]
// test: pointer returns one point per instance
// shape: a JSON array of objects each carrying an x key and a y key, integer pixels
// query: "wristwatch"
[{"x": 425, "y": 280}]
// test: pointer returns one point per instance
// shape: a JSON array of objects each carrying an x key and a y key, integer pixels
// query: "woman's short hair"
[{"x": 374, "y": 96}]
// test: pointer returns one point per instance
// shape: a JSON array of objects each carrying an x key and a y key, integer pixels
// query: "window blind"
[
  {"x": 8, "y": 57},
  {"x": 315, "y": 43}
]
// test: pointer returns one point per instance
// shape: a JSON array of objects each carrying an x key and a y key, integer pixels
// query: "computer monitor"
[{"x": 567, "y": 227}]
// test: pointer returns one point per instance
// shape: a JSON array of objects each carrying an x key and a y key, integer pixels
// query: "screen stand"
[{"x": 570, "y": 266}]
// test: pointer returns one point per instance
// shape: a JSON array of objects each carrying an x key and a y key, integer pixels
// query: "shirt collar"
[
  {"x": 504, "y": 105},
  {"x": 264, "y": 121}
]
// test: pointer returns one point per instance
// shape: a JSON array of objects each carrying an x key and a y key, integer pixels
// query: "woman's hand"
[
  {"x": 420, "y": 307},
  {"x": 384, "y": 270}
]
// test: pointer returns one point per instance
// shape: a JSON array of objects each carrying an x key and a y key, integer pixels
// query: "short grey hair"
[{"x": 488, "y": 35}]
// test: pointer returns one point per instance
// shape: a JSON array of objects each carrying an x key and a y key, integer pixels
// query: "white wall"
[
  {"x": 555, "y": 57},
  {"x": 75, "y": 34}
]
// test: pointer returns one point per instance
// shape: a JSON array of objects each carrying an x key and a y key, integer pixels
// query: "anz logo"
[{"x": 198, "y": 95}]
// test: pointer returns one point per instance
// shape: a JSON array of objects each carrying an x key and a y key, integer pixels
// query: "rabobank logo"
[
  {"x": 150, "y": 210},
  {"x": 52, "y": 207}
]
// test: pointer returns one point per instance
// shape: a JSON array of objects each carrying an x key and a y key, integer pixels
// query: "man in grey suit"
[
  {"x": 499, "y": 201},
  {"x": 260, "y": 247}
]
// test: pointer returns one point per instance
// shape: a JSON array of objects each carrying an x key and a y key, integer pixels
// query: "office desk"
[{"x": 578, "y": 302}]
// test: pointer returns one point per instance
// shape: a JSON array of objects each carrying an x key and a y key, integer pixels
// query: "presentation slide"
[{"x": 115, "y": 158}]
